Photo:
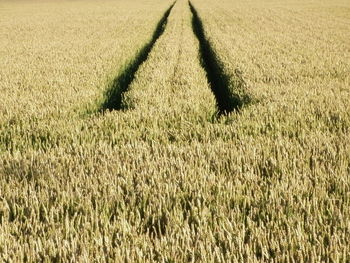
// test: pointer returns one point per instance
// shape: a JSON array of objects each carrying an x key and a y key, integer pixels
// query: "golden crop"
[{"x": 164, "y": 173}]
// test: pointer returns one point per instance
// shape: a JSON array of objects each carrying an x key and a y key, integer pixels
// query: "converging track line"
[
  {"x": 120, "y": 84},
  {"x": 227, "y": 100}
]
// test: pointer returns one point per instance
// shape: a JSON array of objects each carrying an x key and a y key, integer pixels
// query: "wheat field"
[{"x": 186, "y": 131}]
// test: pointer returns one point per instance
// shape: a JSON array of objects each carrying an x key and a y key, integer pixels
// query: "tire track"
[
  {"x": 114, "y": 95},
  {"x": 228, "y": 99}
]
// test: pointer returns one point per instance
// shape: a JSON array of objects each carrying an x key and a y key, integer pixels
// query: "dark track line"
[
  {"x": 227, "y": 99},
  {"x": 114, "y": 95}
]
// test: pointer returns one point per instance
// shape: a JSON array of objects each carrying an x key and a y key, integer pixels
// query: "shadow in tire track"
[
  {"x": 114, "y": 95},
  {"x": 227, "y": 99}
]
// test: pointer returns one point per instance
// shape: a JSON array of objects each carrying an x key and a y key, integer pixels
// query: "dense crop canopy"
[{"x": 228, "y": 140}]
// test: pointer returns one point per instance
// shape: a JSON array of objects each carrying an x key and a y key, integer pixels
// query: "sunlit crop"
[{"x": 161, "y": 131}]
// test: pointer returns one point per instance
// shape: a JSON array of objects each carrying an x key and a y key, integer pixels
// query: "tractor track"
[
  {"x": 226, "y": 98},
  {"x": 114, "y": 95}
]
